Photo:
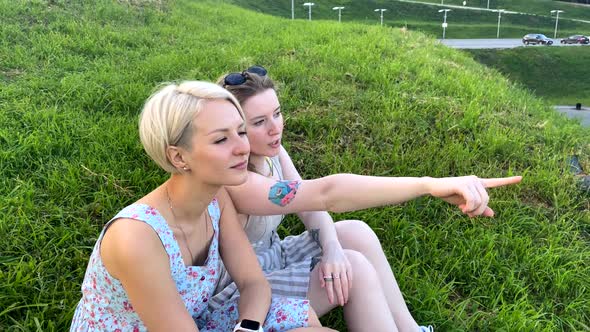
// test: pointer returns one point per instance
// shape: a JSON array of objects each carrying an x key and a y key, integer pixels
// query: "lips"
[
  {"x": 275, "y": 144},
  {"x": 241, "y": 166}
]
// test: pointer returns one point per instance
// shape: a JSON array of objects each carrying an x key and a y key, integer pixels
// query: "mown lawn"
[
  {"x": 424, "y": 17},
  {"x": 357, "y": 98},
  {"x": 558, "y": 74}
]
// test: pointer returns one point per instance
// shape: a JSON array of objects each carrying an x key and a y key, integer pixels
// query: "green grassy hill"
[
  {"x": 559, "y": 75},
  {"x": 538, "y": 7},
  {"x": 357, "y": 98},
  {"x": 463, "y": 23}
]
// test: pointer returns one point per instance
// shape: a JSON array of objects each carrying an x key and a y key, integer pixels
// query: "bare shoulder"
[{"x": 129, "y": 242}]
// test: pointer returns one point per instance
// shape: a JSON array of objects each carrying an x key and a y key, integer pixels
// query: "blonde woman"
[
  {"x": 331, "y": 264},
  {"x": 156, "y": 263}
]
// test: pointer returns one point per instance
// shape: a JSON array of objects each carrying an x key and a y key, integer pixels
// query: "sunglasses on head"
[{"x": 240, "y": 78}]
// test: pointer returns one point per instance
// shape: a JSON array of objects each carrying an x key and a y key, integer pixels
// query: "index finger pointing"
[{"x": 498, "y": 182}]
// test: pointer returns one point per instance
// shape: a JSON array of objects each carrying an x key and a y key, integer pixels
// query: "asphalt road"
[
  {"x": 496, "y": 43},
  {"x": 583, "y": 115}
]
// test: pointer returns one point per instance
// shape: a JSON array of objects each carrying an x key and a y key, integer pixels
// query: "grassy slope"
[
  {"x": 358, "y": 99},
  {"x": 539, "y": 7},
  {"x": 425, "y": 18},
  {"x": 558, "y": 74}
]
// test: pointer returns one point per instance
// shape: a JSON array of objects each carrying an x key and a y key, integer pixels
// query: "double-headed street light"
[
  {"x": 500, "y": 11},
  {"x": 309, "y": 4},
  {"x": 381, "y": 10},
  {"x": 339, "y": 9},
  {"x": 556, "y": 21},
  {"x": 444, "y": 25}
]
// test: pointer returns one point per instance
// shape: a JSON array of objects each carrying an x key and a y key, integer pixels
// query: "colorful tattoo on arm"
[{"x": 283, "y": 192}]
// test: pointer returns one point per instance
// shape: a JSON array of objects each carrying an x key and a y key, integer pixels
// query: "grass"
[
  {"x": 557, "y": 74},
  {"x": 358, "y": 98},
  {"x": 538, "y": 7},
  {"x": 422, "y": 17}
]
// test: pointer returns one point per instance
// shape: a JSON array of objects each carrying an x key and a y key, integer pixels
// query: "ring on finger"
[{"x": 328, "y": 279}]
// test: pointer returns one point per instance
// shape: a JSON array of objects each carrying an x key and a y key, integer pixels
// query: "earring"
[{"x": 184, "y": 168}]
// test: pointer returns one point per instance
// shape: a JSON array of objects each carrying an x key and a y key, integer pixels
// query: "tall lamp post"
[
  {"x": 292, "y": 9},
  {"x": 500, "y": 11},
  {"x": 488, "y": 4},
  {"x": 309, "y": 4},
  {"x": 381, "y": 10},
  {"x": 444, "y": 25},
  {"x": 339, "y": 9},
  {"x": 556, "y": 21}
]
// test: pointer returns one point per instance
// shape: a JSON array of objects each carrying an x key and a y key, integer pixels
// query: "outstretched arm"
[{"x": 350, "y": 192}]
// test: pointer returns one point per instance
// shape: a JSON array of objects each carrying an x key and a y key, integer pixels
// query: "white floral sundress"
[{"x": 105, "y": 305}]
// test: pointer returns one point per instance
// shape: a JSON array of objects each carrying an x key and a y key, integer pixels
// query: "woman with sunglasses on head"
[
  {"x": 157, "y": 262},
  {"x": 353, "y": 270}
]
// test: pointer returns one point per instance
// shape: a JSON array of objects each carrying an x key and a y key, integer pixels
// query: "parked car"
[
  {"x": 536, "y": 38},
  {"x": 576, "y": 39}
]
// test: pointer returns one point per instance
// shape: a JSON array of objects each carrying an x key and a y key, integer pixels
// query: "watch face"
[{"x": 250, "y": 324}]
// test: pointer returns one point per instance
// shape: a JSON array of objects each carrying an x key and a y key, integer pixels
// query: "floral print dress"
[{"x": 105, "y": 305}]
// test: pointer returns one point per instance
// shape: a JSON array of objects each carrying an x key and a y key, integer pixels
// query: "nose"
[
  {"x": 242, "y": 146},
  {"x": 274, "y": 126}
]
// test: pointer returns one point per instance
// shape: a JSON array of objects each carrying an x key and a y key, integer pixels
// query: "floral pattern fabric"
[{"x": 105, "y": 306}]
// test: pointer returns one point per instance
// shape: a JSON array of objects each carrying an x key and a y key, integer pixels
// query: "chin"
[
  {"x": 273, "y": 152},
  {"x": 236, "y": 180}
]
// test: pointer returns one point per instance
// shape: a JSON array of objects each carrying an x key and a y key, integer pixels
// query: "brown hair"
[{"x": 253, "y": 85}]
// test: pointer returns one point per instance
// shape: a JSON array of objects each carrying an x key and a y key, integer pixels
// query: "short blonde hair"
[{"x": 168, "y": 114}]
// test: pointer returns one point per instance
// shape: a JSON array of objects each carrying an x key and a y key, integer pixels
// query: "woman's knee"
[
  {"x": 357, "y": 235},
  {"x": 363, "y": 272}
]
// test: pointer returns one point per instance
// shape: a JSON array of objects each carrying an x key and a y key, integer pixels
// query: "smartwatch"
[{"x": 247, "y": 325}]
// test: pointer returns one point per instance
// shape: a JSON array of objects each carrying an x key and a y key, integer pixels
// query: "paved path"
[
  {"x": 496, "y": 43},
  {"x": 583, "y": 115}
]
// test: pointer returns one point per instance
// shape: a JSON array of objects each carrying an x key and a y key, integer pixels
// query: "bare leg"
[
  {"x": 357, "y": 235},
  {"x": 367, "y": 309}
]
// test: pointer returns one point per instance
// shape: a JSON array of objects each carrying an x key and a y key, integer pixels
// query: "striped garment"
[{"x": 286, "y": 263}]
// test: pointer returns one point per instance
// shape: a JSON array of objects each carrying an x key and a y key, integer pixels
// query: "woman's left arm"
[
  {"x": 334, "y": 261},
  {"x": 240, "y": 260}
]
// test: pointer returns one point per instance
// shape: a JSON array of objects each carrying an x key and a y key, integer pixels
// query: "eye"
[
  {"x": 277, "y": 114},
  {"x": 243, "y": 133},
  {"x": 258, "y": 123},
  {"x": 221, "y": 140}
]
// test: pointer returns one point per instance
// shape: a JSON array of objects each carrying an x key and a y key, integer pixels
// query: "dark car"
[
  {"x": 536, "y": 38},
  {"x": 576, "y": 39}
]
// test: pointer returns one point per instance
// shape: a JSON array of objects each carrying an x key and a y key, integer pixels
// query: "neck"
[
  {"x": 259, "y": 163},
  {"x": 188, "y": 198}
]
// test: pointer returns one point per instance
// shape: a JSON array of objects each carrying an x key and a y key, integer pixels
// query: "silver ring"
[{"x": 328, "y": 279}]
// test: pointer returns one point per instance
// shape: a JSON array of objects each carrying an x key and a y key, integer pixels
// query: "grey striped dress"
[{"x": 287, "y": 263}]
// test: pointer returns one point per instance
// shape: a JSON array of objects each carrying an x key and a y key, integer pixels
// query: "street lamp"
[
  {"x": 309, "y": 4},
  {"x": 556, "y": 20},
  {"x": 339, "y": 9},
  {"x": 488, "y": 4},
  {"x": 444, "y": 25},
  {"x": 292, "y": 9},
  {"x": 500, "y": 11},
  {"x": 381, "y": 10}
]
